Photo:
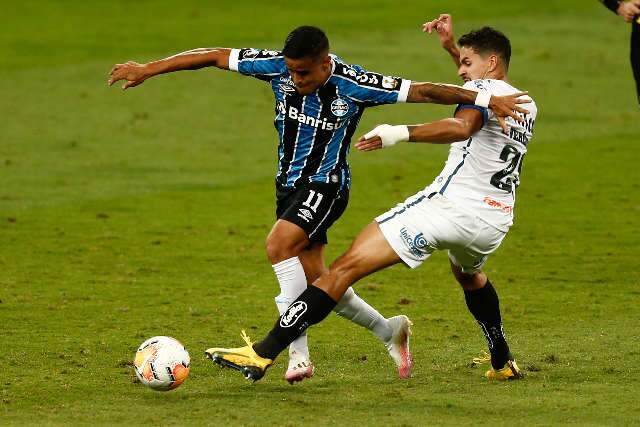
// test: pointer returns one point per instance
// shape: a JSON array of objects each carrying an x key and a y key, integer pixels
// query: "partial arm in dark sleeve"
[{"x": 135, "y": 73}]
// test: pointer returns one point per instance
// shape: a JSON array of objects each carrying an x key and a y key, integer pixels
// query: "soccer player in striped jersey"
[
  {"x": 319, "y": 100},
  {"x": 467, "y": 210}
]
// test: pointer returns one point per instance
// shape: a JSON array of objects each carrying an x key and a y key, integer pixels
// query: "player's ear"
[
  {"x": 493, "y": 62},
  {"x": 326, "y": 62}
]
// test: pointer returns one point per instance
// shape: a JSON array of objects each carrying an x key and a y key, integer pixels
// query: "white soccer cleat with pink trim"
[
  {"x": 398, "y": 345},
  {"x": 299, "y": 370}
]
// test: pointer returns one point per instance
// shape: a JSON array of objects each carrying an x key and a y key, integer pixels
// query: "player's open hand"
[
  {"x": 132, "y": 72},
  {"x": 507, "y": 106},
  {"x": 443, "y": 25}
]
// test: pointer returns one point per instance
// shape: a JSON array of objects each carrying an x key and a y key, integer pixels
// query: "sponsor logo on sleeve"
[
  {"x": 389, "y": 82},
  {"x": 362, "y": 77},
  {"x": 250, "y": 53},
  {"x": 479, "y": 85}
]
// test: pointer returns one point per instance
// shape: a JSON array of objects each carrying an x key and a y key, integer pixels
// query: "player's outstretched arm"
[
  {"x": 438, "y": 93},
  {"x": 135, "y": 74},
  {"x": 445, "y": 131},
  {"x": 443, "y": 26}
]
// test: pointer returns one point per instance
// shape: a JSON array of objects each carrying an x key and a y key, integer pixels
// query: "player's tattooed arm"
[
  {"x": 438, "y": 93},
  {"x": 135, "y": 73}
]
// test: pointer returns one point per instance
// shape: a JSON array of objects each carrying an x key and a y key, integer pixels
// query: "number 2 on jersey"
[{"x": 506, "y": 179}]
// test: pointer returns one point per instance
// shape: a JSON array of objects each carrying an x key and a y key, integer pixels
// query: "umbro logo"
[
  {"x": 286, "y": 89},
  {"x": 305, "y": 214}
]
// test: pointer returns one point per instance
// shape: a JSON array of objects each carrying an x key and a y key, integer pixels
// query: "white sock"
[
  {"x": 354, "y": 308},
  {"x": 292, "y": 282}
]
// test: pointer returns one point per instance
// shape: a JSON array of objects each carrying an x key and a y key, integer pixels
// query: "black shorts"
[{"x": 314, "y": 207}]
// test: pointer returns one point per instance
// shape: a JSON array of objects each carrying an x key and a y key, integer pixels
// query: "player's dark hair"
[
  {"x": 488, "y": 40},
  {"x": 306, "y": 42}
]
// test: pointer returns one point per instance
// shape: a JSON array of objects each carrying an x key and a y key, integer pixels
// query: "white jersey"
[{"x": 482, "y": 173}]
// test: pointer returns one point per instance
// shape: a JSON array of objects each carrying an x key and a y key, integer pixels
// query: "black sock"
[
  {"x": 484, "y": 305},
  {"x": 311, "y": 307}
]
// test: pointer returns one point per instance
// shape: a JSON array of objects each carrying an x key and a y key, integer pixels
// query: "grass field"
[{"x": 128, "y": 215}]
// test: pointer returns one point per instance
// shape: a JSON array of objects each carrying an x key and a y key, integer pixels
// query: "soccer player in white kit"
[{"x": 467, "y": 210}]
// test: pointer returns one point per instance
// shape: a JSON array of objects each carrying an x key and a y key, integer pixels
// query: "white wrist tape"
[
  {"x": 390, "y": 135},
  {"x": 482, "y": 100}
]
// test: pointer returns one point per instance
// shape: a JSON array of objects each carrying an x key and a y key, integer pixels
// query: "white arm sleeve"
[
  {"x": 404, "y": 90},
  {"x": 233, "y": 59}
]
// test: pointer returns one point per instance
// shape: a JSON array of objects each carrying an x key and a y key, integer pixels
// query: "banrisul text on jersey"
[{"x": 315, "y": 130}]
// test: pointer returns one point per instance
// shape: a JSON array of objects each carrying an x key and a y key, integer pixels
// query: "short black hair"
[
  {"x": 488, "y": 40},
  {"x": 306, "y": 42}
]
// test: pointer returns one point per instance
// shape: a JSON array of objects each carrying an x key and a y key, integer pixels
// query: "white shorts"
[{"x": 421, "y": 225}]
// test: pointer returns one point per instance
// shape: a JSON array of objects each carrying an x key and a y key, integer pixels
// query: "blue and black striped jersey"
[{"x": 315, "y": 130}]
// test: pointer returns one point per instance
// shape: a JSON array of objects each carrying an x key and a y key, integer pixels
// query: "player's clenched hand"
[
  {"x": 369, "y": 144},
  {"x": 382, "y": 136},
  {"x": 132, "y": 72},
  {"x": 507, "y": 106},
  {"x": 629, "y": 10},
  {"x": 443, "y": 25}
]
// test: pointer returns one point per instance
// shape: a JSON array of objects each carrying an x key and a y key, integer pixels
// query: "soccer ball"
[{"x": 162, "y": 363}]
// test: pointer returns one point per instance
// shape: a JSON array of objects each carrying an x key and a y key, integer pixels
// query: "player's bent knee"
[
  {"x": 272, "y": 249},
  {"x": 471, "y": 282},
  {"x": 467, "y": 285},
  {"x": 284, "y": 243},
  {"x": 279, "y": 249}
]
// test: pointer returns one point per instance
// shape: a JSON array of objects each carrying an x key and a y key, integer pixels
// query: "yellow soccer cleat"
[
  {"x": 510, "y": 371},
  {"x": 243, "y": 359}
]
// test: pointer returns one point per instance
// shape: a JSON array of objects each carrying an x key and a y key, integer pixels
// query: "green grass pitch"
[{"x": 128, "y": 215}]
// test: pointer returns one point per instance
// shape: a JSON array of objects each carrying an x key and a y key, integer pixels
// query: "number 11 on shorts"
[{"x": 309, "y": 200}]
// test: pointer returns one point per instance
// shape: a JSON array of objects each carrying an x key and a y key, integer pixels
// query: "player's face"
[
  {"x": 473, "y": 66},
  {"x": 308, "y": 74}
]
